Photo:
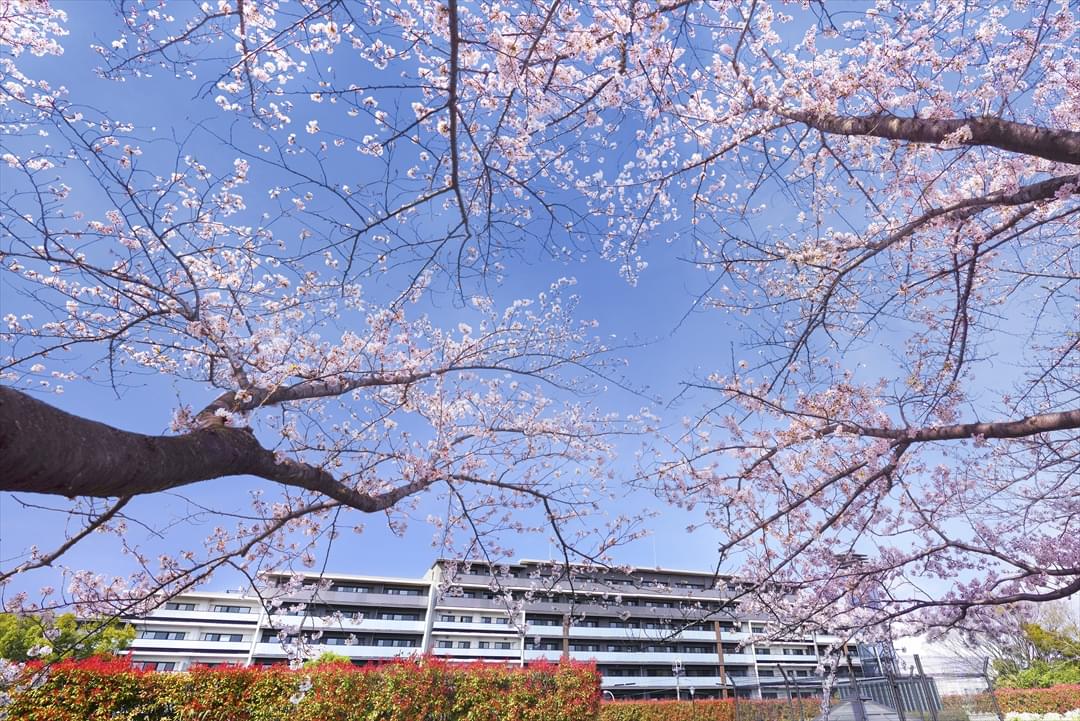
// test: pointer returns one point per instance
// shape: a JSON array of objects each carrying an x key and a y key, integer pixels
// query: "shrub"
[
  {"x": 1056, "y": 699},
  {"x": 1067, "y": 716},
  {"x": 1043, "y": 674},
  {"x": 96, "y": 690},
  {"x": 712, "y": 710}
]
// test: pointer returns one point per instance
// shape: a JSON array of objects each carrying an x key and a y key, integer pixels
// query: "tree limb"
[
  {"x": 1030, "y": 426},
  {"x": 46, "y": 450},
  {"x": 1057, "y": 144}
]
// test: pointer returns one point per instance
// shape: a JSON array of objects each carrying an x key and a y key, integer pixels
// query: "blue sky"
[
  {"x": 668, "y": 347},
  {"x": 669, "y": 350}
]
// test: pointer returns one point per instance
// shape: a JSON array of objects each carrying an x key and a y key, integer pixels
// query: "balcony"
[
  {"x": 199, "y": 618},
  {"x": 348, "y": 624},
  {"x": 367, "y": 653},
  {"x": 628, "y": 657},
  {"x": 187, "y": 646},
  {"x": 631, "y": 633},
  {"x": 362, "y": 599},
  {"x": 487, "y": 629},
  {"x": 772, "y": 658},
  {"x": 455, "y": 602},
  {"x": 494, "y": 654},
  {"x": 662, "y": 682},
  {"x": 673, "y": 614}
]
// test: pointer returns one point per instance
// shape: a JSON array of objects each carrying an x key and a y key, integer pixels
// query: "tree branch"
[
  {"x": 1030, "y": 426},
  {"x": 1057, "y": 144},
  {"x": 46, "y": 450},
  {"x": 89, "y": 528}
]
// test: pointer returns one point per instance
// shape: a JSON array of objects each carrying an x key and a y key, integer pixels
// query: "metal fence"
[
  {"x": 905, "y": 692},
  {"x": 963, "y": 683}
]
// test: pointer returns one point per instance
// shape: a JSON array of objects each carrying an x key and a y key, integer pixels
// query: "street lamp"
[
  {"x": 691, "y": 695},
  {"x": 677, "y": 671}
]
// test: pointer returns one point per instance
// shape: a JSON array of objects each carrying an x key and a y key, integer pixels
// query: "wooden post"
[{"x": 720, "y": 656}]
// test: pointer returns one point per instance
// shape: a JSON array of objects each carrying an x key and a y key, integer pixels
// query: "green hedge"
[
  {"x": 414, "y": 690},
  {"x": 712, "y": 710}
]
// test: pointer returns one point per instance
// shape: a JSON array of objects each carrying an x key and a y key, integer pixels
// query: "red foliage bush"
[
  {"x": 97, "y": 689},
  {"x": 1056, "y": 699},
  {"x": 764, "y": 710}
]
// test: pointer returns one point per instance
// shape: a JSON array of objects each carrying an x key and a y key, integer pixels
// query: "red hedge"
[
  {"x": 1032, "y": 700},
  {"x": 1056, "y": 699},
  {"x": 96, "y": 690},
  {"x": 710, "y": 710}
]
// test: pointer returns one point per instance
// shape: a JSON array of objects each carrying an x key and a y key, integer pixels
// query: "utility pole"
[
  {"x": 720, "y": 656},
  {"x": 524, "y": 628},
  {"x": 566, "y": 637},
  {"x": 677, "y": 671}
]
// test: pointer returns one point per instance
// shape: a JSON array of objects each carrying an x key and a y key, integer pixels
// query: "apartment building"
[{"x": 654, "y": 633}]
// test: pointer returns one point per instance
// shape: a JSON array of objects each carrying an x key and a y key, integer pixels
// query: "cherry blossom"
[{"x": 885, "y": 197}]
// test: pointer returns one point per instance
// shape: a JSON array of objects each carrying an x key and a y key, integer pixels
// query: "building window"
[
  {"x": 403, "y": 591},
  {"x": 485, "y": 619},
  {"x": 464, "y": 644},
  {"x": 446, "y": 617},
  {"x": 163, "y": 635},
  {"x": 229, "y": 637},
  {"x": 444, "y": 644},
  {"x": 504, "y": 645},
  {"x": 155, "y": 665},
  {"x": 178, "y": 606},
  {"x": 396, "y": 642},
  {"x": 464, "y": 619},
  {"x": 345, "y": 588},
  {"x": 224, "y": 608},
  {"x": 503, "y": 621},
  {"x": 484, "y": 644},
  {"x": 399, "y": 617}
]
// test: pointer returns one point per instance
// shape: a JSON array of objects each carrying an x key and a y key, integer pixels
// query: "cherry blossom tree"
[
  {"x": 349, "y": 405},
  {"x": 884, "y": 195}
]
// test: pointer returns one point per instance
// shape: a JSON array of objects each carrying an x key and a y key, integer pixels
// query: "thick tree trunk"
[{"x": 46, "y": 450}]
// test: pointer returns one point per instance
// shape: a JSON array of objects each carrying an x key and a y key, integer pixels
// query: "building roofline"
[
  {"x": 632, "y": 569},
  {"x": 424, "y": 580}
]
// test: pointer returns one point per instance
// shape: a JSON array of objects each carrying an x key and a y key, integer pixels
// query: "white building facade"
[{"x": 653, "y": 633}]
